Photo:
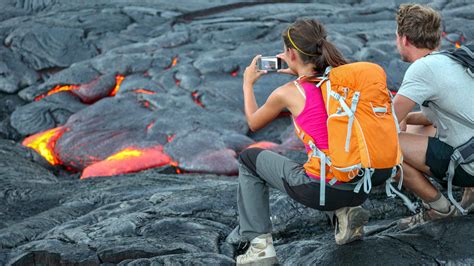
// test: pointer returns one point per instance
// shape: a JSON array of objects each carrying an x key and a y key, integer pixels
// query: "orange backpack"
[{"x": 362, "y": 127}]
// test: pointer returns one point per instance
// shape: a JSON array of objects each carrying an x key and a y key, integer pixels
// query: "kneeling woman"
[{"x": 307, "y": 53}]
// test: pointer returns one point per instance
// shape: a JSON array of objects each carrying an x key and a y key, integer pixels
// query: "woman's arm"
[{"x": 257, "y": 117}]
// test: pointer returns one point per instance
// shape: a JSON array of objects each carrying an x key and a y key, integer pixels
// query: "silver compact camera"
[{"x": 269, "y": 63}]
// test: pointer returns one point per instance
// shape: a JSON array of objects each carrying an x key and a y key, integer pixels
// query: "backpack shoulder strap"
[{"x": 463, "y": 55}]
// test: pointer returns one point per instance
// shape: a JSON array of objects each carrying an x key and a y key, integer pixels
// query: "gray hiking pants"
[{"x": 260, "y": 169}]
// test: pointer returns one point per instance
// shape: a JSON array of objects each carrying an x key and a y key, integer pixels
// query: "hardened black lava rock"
[{"x": 181, "y": 65}]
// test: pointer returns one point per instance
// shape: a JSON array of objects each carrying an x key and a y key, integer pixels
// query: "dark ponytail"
[{"x": 308, "y": 37}]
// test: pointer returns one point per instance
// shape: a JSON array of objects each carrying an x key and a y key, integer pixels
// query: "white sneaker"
[
  {"x": 350, "y": 223},
  {"x": 261, "y": 252},
  {"x": 467, "y": 201}
]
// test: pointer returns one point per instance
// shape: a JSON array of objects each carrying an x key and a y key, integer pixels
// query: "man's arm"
[
  {"x": 417, "y": 118},
  {"x": 403, "y": 106}
]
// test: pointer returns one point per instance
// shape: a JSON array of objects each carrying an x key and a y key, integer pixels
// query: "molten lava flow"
[
  {"x": 144, "y": 91},
  {"x": 458, "y": 41},
  {"x": 197, "y": 98},
  {"x": 235, "y": 73},
  {"x": 57, "y": 89},
  {"x": 129, "y": 160},
  {"x": 72, "y": 88},
  {"x": 263, "y": 145},
  {"x": 174, "y": 62},
  {"x": 177, "y": 169},
  {"x": 45, "y": 142},
  {"x": 118, "y": 81}
]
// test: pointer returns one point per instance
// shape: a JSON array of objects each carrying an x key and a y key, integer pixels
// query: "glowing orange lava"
[
  {"x": 144, "y": 91},
  {"x": 72, "y": 88},
  {"x": 263, "y": 145},
  {"x": 177, "y": 169},
  {"x": 174, "y": 62},
  {"x": 129, "y": 160},
  {"x": 118, "y": 81},
  {"x": 57, "y": 89},
  {"x": 44, "y": 143}
]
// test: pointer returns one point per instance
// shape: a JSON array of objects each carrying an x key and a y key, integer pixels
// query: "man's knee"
[{"x": 249, "y": 159}]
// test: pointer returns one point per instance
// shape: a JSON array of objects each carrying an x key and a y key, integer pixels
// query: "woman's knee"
[{"x": 248, "y": 158}]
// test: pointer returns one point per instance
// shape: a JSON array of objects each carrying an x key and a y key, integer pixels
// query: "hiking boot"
[
  {"x": 350, "y": 223},
  {"x": 467, "y": 201},
  {"x": 425, "y": 215},
  {"x": 261, "y": 252}
]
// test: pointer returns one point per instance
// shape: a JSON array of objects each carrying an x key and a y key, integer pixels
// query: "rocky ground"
[{"x": 180, "y": 67}]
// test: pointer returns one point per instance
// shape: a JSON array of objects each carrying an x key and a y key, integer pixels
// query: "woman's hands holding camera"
[
  {"x": 252, "y": 73},
  {"x": 286, "y": 70}
]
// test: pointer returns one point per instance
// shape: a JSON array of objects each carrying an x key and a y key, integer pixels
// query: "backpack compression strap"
[{"x": 463, "y": 154}]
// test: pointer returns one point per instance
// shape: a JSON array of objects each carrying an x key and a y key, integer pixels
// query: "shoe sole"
[
  {"x": 263, "y": 262},
  {"x": 358, "y": 218}
]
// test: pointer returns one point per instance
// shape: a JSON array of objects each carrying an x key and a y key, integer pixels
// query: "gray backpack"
[{"x": 463, "y": 154}]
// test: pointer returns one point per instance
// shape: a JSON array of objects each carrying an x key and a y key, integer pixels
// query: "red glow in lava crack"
[
  {"x": 234, "y": 73},
  {"x": 197, "y": 98},
  {"x": 144, "y": 91},
  {"x": 263, "y": 145},
  {"x": 44, "y": 143},
  {"x": 177, "y": 169},
  {"x": 150, "y": 125},
  {"x": 171, "y": 137},
  {"x": 129, "y": 160}
]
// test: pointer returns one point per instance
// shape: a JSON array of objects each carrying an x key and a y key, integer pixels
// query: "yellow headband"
[{"x": 296, "y": 47}]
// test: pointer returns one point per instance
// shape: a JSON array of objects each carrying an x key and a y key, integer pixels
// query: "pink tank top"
[{"x": 312, "y": 119}]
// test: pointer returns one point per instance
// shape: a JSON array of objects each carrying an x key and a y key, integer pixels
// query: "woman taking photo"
[{"x": 307, "y": 53}]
